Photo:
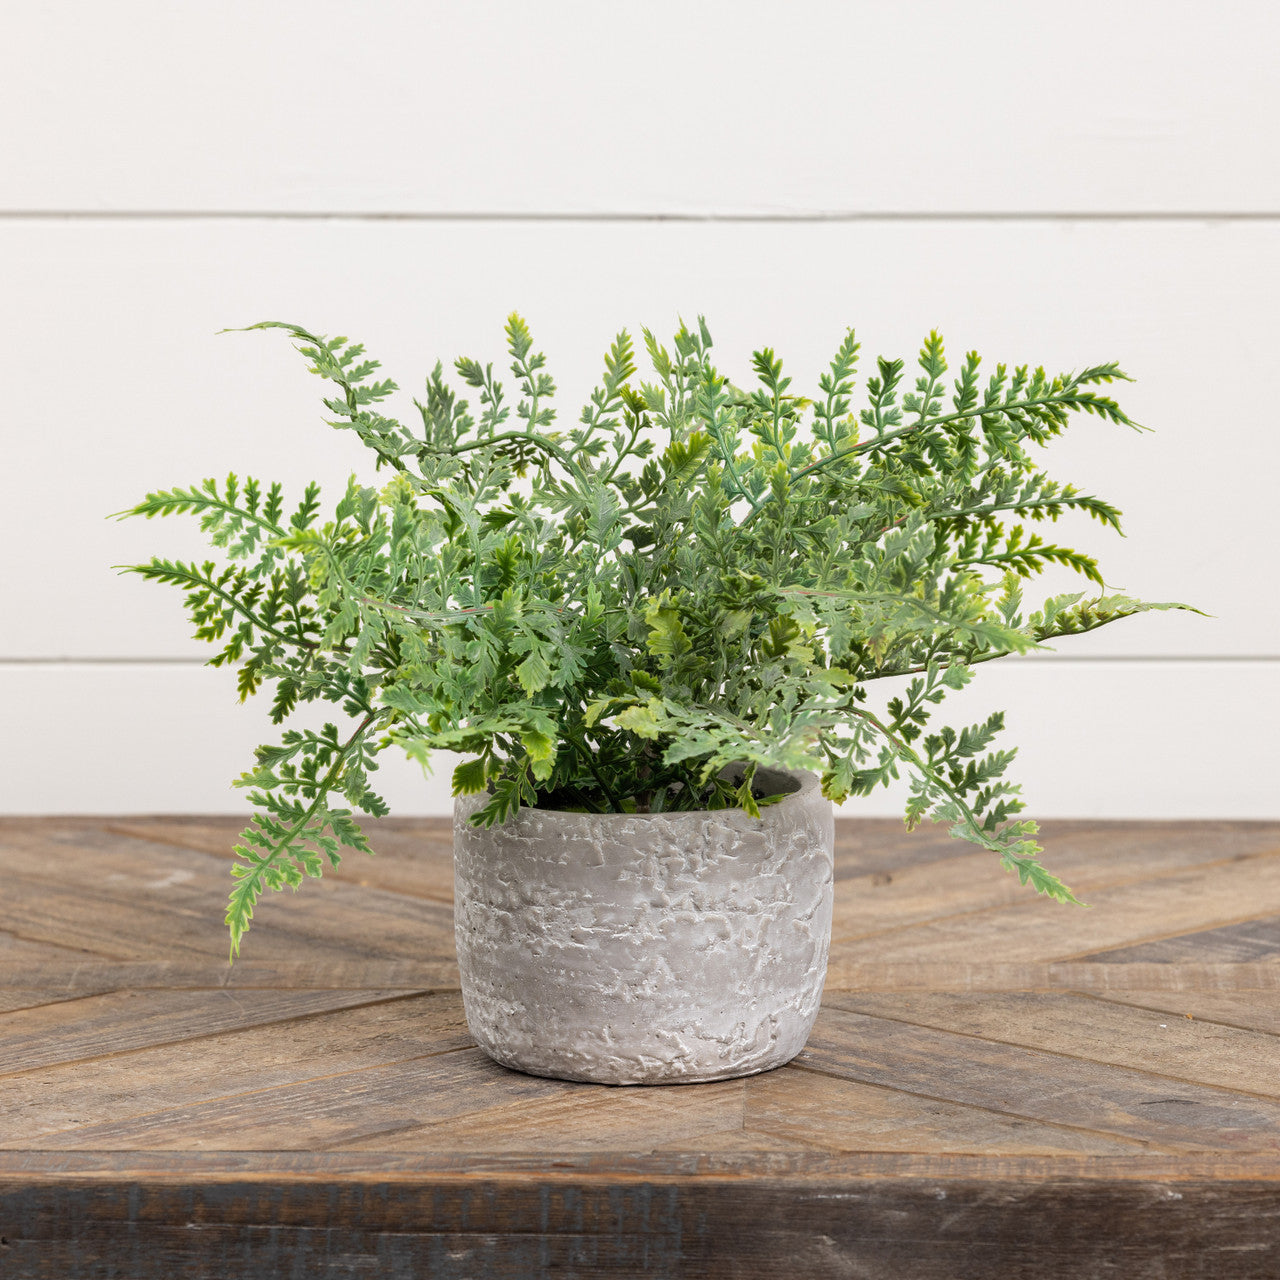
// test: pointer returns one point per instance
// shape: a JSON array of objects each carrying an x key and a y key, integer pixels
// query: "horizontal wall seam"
[{"x": 789, "y": 216}]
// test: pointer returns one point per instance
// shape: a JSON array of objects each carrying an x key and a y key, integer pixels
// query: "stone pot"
[{"x": 646, "y": 948}]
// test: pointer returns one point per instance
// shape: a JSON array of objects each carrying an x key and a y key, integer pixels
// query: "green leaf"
[
  {"x": 683, "y": 459},
  {"x": 639, "y": 720},
  {"x": 667, "y": 639},
  {"x": 541, "y": 750},
  {"x": 835, "y": 676},
  {"x": 534, "y": 673},
  {"x": 470, "y": 777}
]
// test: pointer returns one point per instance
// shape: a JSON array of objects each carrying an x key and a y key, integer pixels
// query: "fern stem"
[
  {"x": 913, "y": 757},
  {"x": 261, "y": 865},
  {"x": 610, "y": 794},
  {"x": 523, "y": 437},
  {"x": 176, "y": 574}
]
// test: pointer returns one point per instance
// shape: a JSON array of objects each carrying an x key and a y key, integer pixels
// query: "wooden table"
[{"x": 997, "y": 1086}]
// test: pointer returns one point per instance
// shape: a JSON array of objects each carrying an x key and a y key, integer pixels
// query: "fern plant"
[{"x": 604, "y": 617}]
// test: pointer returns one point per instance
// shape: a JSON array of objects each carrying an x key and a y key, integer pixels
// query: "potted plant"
[{"x": 654, "y": 636}]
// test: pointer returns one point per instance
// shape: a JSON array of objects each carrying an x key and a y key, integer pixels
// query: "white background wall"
[{"x": 1060, "y": 183}]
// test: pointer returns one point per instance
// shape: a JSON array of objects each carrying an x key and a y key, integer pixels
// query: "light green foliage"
[{"x": 696, "y": 575}]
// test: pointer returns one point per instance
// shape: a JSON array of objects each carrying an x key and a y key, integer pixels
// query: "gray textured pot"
[{"x": 645, "y": 949}]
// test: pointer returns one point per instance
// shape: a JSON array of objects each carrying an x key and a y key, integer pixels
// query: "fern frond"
[{"x": 641, "y": 612}]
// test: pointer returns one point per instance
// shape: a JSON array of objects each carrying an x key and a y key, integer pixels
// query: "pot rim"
[{"x": 809, "y": 786}]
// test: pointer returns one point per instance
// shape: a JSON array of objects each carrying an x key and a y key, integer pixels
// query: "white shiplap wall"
[{"x": 1060, "y": 183}]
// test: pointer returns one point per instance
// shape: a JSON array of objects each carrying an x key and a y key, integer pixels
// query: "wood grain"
[
  {"x": 224, "y": 1074},
  {"x": 1141, "y": 909},
  {"x": 412, "y": 856},
  {"x": 837, "y": 1113},
  {"x": 1177, "y": 1048},
  {"x": 1245, "y": 1009},
  {"x": 586, "y": 1226},
  {"x": 1080, "y": 1092},
  {"x": 113, "y": 912},
  {"x": 995, "y": 1086},
  {"x": 58, "y": 1032},
  {"x": 1233, "y": 943},
  {"x": 935, "y": 877}
]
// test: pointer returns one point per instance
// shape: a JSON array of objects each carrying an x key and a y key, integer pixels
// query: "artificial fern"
[{"x": 696, "y": 575}]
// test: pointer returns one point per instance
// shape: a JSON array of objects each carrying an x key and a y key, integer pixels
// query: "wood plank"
[
  {"x": 12, "y": 998},
  {"x": 868, "y": 847},
  {"x": 318, "y": 1111},
  {"x": 328, "y": 921},
  {"x": 158, "y": 901},
  {"x": 125, "y": 1021},
  {"x": 89, "y": 975},
  {"x": 1124, "y": 914},
  {"x": 20, "y": 955},
  {"x": 844, "y": 974},
  {"x": 412, "y": 856},
  {"x": 577, "y": 1227},
  {"x": 845, "y": 1115},
  {"x": 1251, "y": 1010},
  {"x": 801, "y": 1108},
  {"x": 1234, "y": 943},
  {"x": 341, "y": 1168},
  {"x": 50, "y": 915},
  {"x": 628, "y": 1119},
  {"x": 235, "y": 1074},
  {"x": 880, "y": 848},
  {"x": 962, "y": 879},
  {"x": 1176, "y": 1048},
  {"x": 742, "y": 1141},
  {"x": 1039, "y": 1085}
]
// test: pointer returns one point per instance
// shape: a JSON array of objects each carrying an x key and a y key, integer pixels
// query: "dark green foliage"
[{"x": 696, "y": 576}]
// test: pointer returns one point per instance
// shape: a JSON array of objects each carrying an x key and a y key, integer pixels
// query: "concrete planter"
[{"x": 646, "y": 949}]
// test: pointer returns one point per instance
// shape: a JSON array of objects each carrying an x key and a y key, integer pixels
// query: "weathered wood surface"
[{"x": 997, "y": 1087}]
